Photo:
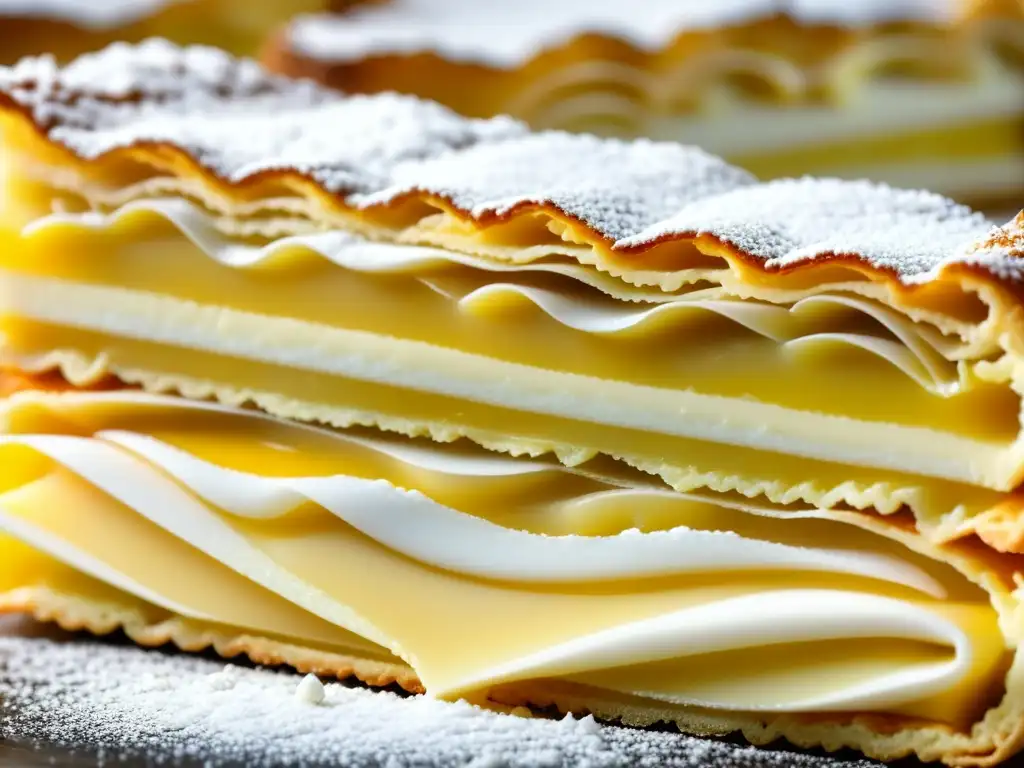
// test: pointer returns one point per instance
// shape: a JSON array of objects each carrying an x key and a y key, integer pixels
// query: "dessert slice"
[
  {"x": 774, "y": 427},
  {"x": 381, "y": 261},
  {"x": 472, "y": 574},
  {"x": 920, "y": 94},
  {"x": 67, "y": 28}
]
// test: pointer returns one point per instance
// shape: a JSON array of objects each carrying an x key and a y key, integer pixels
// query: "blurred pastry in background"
[
  {"x": 67, "y": 28},
  {"x": 916, "y": 93}
]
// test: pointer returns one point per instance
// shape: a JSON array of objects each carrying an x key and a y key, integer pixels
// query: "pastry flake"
[{"x": 541, "y": 242}]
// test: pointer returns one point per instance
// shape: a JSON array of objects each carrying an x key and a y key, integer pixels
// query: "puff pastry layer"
[
  {"x": 360, "y": 554},
  {"x": 378, "y": 260}
]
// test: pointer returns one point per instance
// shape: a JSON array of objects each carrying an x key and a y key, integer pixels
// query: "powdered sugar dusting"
[
  {"x": 616, "y": 187},
  {"x": 126, "y": 700},
  {"x": 238, "y": 121},
  {"x": 790, "y": 221},
  {"x": 507, "y": 34},
  {"x": 205, "y": 102}
]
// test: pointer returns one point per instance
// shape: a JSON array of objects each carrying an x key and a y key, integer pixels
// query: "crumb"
[{"x": 310, "y": 690}]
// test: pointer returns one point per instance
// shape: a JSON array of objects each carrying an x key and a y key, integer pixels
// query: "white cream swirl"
[{"x": 417, "y": 527}]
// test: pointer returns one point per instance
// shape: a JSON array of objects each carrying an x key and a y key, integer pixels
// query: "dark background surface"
[{"x": 22, "y": 755}]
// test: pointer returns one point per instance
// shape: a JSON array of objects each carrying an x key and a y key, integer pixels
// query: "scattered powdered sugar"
[
  {"x": 123, "y": 83},
  {"x": 372, "y": 150},
  {"x": 508, "y": 34},
  {"x": 116, "y": 700}
]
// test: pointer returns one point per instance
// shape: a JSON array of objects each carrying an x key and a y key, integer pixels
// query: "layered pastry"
[
  {"x": 754, "y": 446},
  {"x": 67, "y": 28},
  {"x": 920, "y": 93}
]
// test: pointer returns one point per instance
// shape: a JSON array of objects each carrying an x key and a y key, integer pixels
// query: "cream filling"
[
  {"x": 919, "y": 351},
  {"x": 590, "y": 393},
  {"x": 413, "y": 525},
  {"x": 409, "y": 573},
  {"x": 426, "y": 368}
]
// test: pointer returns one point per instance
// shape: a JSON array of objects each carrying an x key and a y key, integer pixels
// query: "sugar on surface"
[
  {"x": 310, "y": 690},
  {"x": 116, "y": 700}
]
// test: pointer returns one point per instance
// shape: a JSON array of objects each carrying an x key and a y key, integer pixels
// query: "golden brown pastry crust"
[
  {"x": 21, "y": 37},
  {"x": 12, "y": 381}
]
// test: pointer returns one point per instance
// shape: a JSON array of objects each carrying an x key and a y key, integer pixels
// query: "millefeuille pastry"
[
  {"x": 920, "y": 93},
  {"x": 67, "y": 28},
  {"x": 755, "y": 444}
]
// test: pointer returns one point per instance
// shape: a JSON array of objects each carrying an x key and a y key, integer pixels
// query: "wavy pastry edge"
[
  {"x": 998, "y": 736},
  {"x": 78, "y": 614}
]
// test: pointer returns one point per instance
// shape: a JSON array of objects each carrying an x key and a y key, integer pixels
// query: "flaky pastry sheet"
[{"x": 42, "y": 577}]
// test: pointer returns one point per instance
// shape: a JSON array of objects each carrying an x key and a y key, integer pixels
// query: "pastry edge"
[
  {"x": 76, "y": 614},
  {"x": 998, "y": 736}
]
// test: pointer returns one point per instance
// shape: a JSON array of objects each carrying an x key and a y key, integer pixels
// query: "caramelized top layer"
[{"x": 183, "y": 111}]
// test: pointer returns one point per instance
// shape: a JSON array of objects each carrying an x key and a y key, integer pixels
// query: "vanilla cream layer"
[
  {"x": 154, "y": 286},
  {"x": 480, "y": 570}
]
